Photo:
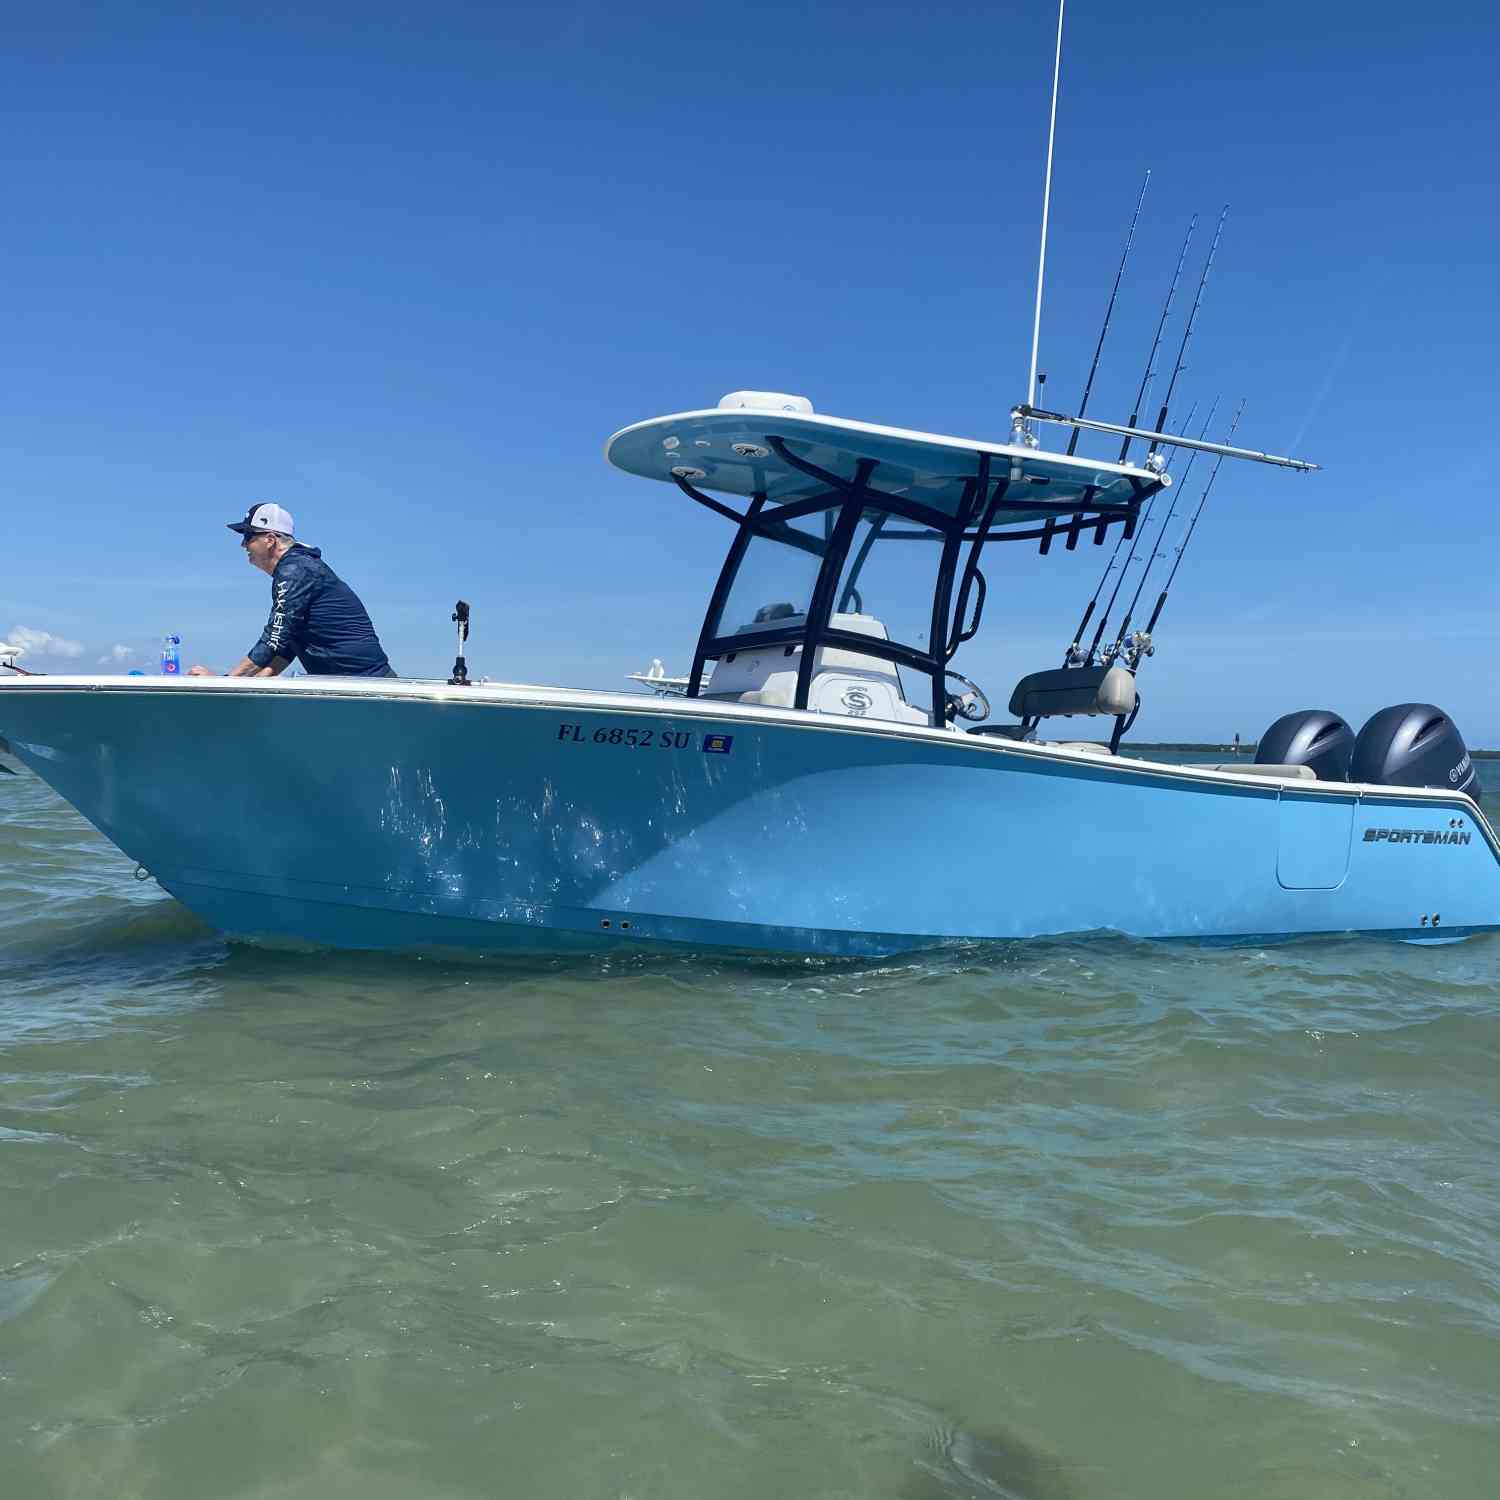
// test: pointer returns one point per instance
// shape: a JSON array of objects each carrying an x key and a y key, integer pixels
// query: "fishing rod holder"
[
  {"x": 1026, "y": 414},
  {"x": 460, "y": 677}
]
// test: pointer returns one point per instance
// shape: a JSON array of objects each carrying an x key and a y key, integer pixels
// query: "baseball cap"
[{"x": 265, "y": 518}]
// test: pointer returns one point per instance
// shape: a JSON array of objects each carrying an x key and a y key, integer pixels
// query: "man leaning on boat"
[{"x": 316, "y": 618}]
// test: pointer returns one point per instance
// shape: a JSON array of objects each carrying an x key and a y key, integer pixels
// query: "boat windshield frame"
[{"x": 959, "y": 589}]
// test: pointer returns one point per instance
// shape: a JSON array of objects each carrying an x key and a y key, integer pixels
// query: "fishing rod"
[
  {"x": 1161, "y": 601},
  {"x": 1088, "y": 385},
  {"x": 1140, "y": 531},
  {"x": 1187, "y": 333},
  {"x": 1073, "y": 656},
  {"x": 1161, "y": 536},
  {"x": 1140, "y": 395}
]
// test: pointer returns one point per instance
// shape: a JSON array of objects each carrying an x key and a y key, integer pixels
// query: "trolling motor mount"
[{"x": 460, "y": 677}]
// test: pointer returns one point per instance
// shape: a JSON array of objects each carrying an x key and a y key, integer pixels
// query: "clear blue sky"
[{"x": 404, "y": 269}]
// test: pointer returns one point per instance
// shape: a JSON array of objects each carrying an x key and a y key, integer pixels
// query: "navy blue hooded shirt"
[{"x": 317, "y": 619}]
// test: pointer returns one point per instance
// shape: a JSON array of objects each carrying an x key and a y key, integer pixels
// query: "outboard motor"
[
  {"x": 1313, "y": 737},
  {"x": 1413, "y": 744}
]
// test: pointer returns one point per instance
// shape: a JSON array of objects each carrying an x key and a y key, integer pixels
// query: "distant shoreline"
[{"x": 1244, "y": 749}]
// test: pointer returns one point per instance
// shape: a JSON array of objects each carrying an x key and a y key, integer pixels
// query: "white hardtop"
[{"x": 727, "y": 449}]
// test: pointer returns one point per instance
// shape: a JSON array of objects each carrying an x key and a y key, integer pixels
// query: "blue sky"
[{"x": 404, "y": 270}]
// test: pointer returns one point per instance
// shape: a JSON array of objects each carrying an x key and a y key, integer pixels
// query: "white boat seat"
[
  {"x": 1074, "y": 690},
  {"x": 1250, "y": 768},
  {"x": 844, "y": 681}
]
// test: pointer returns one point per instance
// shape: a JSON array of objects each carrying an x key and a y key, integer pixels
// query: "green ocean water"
[{"x": 1059, "y": 1220}]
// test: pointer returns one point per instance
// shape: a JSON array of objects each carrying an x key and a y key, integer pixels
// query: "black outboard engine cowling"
[
  {"x": 1413, "y": 744},
  {"x": 1313, "y": 737}
]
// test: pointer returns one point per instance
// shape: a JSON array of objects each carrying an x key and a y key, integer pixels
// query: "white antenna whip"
[{"x": 1041, "y": 263}]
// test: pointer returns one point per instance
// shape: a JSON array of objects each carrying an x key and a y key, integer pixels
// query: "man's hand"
[{"x": 245, "y": 668}]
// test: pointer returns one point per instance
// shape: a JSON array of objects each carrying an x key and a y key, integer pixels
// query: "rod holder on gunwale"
[{"x": 460, "y": 677}]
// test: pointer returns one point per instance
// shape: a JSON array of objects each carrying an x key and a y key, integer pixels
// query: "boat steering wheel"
[{"x": 971, "y": 704}]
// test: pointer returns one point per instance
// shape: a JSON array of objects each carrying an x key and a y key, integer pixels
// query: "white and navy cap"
[{"x": 265, "y": 518}]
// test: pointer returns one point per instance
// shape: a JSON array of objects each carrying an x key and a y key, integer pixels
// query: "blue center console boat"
[{"x": 821, "y": 782}]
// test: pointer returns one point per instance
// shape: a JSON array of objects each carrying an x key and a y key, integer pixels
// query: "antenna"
[
  {"x": 1041, "y": 263},
  {"x": 1088, "y": 385},
  {"x": 1161, "y": 323},
  {"x": 1187, "y": 333}
]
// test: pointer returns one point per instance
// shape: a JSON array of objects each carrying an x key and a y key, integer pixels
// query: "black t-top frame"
[{"x": 978, "y": 519}]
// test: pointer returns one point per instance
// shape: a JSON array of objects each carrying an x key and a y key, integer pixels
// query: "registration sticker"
[{"x": 717, "y": 744}]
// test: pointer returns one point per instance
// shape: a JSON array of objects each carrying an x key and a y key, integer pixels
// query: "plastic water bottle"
[{"x": 171, "y": 658}]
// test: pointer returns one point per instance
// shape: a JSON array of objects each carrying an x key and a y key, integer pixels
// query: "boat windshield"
[
  {"x": 777, "y": 574},
  {"x": 891, "y": 572},
  {"x": 887, "y": 572}
]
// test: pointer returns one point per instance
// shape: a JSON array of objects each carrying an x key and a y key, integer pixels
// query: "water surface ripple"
[{"x": 1053, "y": 1220}]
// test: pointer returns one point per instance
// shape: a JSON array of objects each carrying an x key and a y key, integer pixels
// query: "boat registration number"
[{"x": 644, "y": 737}]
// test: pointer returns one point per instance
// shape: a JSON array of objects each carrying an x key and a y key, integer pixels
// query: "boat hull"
[{"x": 418, "y": 815}]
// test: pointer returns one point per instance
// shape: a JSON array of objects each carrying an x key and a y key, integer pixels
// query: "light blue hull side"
[{"x": 542, "y": 819}]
